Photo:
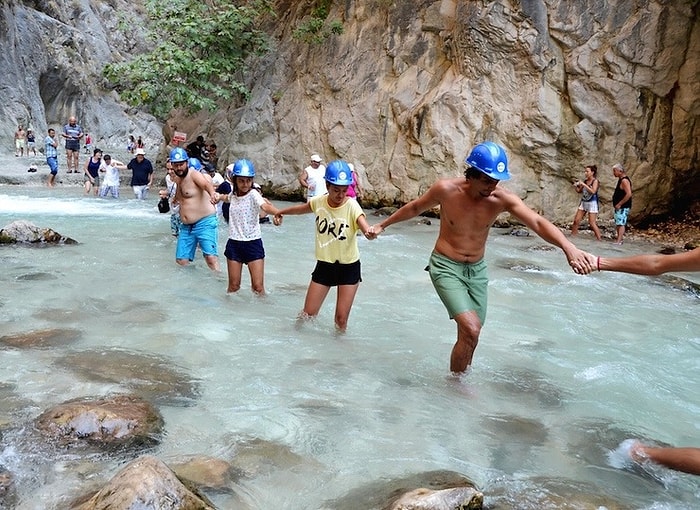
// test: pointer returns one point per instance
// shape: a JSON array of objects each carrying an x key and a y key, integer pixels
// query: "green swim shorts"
[{"x": 462, "y": 287}]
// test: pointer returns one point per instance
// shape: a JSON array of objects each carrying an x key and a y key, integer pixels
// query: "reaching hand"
[
  {"x": 582, "y": 262},
  {"x": 277, "y": 219}
]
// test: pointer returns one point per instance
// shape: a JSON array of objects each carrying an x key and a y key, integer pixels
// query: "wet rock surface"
[
  {"x": 24, "y": 232},
  {"x": 121, "y": 420},
  {"x": 146, "y": 482}
]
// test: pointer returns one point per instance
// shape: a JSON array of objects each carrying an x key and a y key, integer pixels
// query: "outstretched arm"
[
  {"x": 580, "y": 261},
  {"x": 412, "y": 209},
  {"x": 295, "y": 209},
  {"x": 680, "y": 459},
  {"x": 653, "y": 264}
]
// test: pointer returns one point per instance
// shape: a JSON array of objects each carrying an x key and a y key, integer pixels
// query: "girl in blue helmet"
[
  {"x": 338, "y": 219},
  {"x": 244, "y": 245}
]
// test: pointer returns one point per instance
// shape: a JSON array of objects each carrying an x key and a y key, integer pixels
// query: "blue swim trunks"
[
  {"x": 204, "y": 233},
  {"x": 621, "y": 216},
  {"x": 462, "y": 287}
]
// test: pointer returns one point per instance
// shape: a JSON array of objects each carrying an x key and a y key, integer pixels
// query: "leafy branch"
[
  {"x": 199, "y": 51},
  {"x": 318, "y": 28}
]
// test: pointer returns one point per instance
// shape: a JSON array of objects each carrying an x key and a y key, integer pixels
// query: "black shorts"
[
  {"x": 73, "y": 145},
  {"x": 244, "y": 251},
  {"x": 336, "y": 273}
]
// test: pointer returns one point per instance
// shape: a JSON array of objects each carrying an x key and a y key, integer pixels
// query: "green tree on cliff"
[{"x": 198, "y": 54}]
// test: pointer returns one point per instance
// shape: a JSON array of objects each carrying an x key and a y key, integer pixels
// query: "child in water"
[
  {"x": 245, "y": 245},
  {"x": 338, "y": 219}
]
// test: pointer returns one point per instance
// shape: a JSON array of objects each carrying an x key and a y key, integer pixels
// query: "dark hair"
[
  {"x": 594, "y": 169},
  {"x": 97, "y": 149},
  {"x": 472, "y": 173},
  {"x": 107, "y": 157}
]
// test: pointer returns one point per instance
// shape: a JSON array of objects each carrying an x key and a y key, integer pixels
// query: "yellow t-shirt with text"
[{"x": 336, "y": 230}]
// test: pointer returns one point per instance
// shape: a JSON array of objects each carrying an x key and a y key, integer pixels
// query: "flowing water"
[{"x": 567, "y": 367}]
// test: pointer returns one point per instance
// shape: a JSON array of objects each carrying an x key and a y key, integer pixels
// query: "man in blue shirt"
[
  {"x": 50, "y": 145},
  {"x": 141, "y": 174}
]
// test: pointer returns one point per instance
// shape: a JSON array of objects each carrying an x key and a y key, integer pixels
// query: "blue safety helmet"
[
  {"x": 194, "y": 164},
  {"x": 178, "y": 155},
  {"x": 243, "y": 168},
  {"x": 339, "y": 173},
  {"x": 490, "y": 158}
]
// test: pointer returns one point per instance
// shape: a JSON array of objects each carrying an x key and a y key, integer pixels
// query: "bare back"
[{"x": 194, "y": 194}]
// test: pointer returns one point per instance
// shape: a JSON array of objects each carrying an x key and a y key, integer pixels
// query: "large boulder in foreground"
[
  {"x": 145, "y": 483},
  {"x": 462, "y": 498},
  {"x": 21, "y": 231},
  {"x": 116, "y": 421}
]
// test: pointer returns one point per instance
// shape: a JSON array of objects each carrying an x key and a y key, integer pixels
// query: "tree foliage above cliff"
[{"x": 198, "y": 54}]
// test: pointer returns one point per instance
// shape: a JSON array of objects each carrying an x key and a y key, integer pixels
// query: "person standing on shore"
[
  {"x": 622, "y": 201},
  {"x": 20, "y": 138},
  {"x": 469, "y": 206},
  {"x": 72, "y": 133},
  {"x": 31, "y": 142},
  {"x": 589, "y": 201},
  {"x": 51, "y": 152},
  {"x": 196, "y": 197}
]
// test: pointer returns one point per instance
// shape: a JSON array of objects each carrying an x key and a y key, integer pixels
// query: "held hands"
[
  {"x": 277, "y": 219},
  {"x": 374, "y": 231},
  {"x": 582, "y": 262},
  {"x": 215, "y": 198}
]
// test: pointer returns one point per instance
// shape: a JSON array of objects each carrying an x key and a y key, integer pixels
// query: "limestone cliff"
[
  {"x": 51, "y": 68},
  {"x": 411, "y": 85}
]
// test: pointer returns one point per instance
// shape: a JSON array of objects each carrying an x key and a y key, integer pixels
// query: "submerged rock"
[
  {"x": 145, "y": 483},
  {"x": 21, "y": 231},
  {"x": 154, "y": 378},
  {"x": 206, "y": 472},
  {"x": 40, "y": 338},
  {"x": 8, "y": 492}
]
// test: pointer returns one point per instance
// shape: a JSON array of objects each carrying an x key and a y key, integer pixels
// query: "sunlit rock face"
[{"x": 410, "y": 87}]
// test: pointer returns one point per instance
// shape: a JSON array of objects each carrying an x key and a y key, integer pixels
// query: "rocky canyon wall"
[
  {"x": 51, "y": 65},
  {"x": 410, "y": 86}
]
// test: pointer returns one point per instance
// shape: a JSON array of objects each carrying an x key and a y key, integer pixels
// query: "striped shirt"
[{"x": 50, "y": 144}]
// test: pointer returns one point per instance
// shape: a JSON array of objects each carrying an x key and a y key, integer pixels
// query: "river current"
[{"x": 567, "y": 368}]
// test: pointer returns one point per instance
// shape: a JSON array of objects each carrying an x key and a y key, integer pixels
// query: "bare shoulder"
[{"x": 446, "y": 187}]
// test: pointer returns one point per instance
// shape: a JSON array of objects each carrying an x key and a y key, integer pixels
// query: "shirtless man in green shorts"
[{"x": 468, "y": 208}]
